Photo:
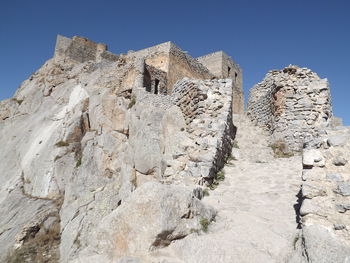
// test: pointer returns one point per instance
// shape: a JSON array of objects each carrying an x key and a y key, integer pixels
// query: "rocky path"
[{"x": 256, "y": 219}]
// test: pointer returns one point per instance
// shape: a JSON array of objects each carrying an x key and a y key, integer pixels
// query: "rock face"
[
  {"x": 91, "y": 134},
  {"x": 153, "y": 216},
  {"x": 294, "y": 104}
]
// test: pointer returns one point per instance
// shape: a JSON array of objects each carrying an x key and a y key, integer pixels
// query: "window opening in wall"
[
  {"x": 236, "y": 76},
  {"x": 228, "y": 71},
  {"x": 156, "y": 84}
]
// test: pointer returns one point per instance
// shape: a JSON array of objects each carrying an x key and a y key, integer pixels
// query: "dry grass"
[
  {"x": 62, "y": 144},
  {"x": 42, "y": 248},
  {"x": 280, "y": 149}
]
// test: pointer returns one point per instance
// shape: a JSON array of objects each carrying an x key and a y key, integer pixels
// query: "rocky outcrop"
[
  {"x": 151, "y": 218},
  {"x": 86, "y": 143}
]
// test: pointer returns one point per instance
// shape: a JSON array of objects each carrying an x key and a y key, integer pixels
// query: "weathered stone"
[
  {"x": 151, "y": 218},
  {"x": 294, "y": 99},
  {"x": 339, "y": 161},
  {"x": 335, "y": 177},
  {"x": 338, "y": 140},
  {"x": 321, "y": 246},
  {"x": 310, "y": 157},
  {"x": 311, "y": 191},
  {"x": 339, "y": 226},
  {"x": 344, "y": 188}
]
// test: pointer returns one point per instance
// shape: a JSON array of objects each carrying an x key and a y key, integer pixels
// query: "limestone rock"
[
  {"x": 311, "y": 157},
  {"x": 338, "y": 140},
  {"x": 344, "y": 189},
  {"x": 151, "y": 218},
  {"x": 321, "y": 246}
]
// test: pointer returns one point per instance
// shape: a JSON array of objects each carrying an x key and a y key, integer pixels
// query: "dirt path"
[{"x": 256, "y": 219}]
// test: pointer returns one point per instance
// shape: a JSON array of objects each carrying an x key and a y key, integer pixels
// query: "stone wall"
[
  {"x": 183, "y": 65},
  {"x": 325, "y": 197},
  {"x": 191, "y": 132},
  {"x": 294, "y": 104},
  {"x": 81, "y": 49},
  {"x": 222, "y": 66},
  {"x": 207, "y": 109},
  {"x": 176, "y": 63}
]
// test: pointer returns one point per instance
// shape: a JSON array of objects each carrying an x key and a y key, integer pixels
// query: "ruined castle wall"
[
  {"x": 177, "y": 64},
  {"x": 182, "y": 65},
  {"x": 213, "y": 62},
  {"x": 81, "y": 49},
  {"x": 294, "y": 104},
  {"x": 207, "y": 109},
  {"x": 156, "y": 56},
  {"x": 222, "y": 66}
]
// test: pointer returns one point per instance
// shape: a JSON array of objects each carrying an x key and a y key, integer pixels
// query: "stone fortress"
[
  {"x": 149, "y": 156},
  {"x": 161, "y": 65}
]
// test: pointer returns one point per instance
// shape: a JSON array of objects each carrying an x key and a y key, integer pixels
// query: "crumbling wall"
[
  {"x": 81, "y": 49},
  {"x": 191, "y": 132},
  {"x": 182, "y": 65},
  {"x": 222, "y": 66},
  {"x": 325, "y": 197},
  {"x": 176, "y": 63},
  {"x": 207, "y": 109},
  {"x": 294, "y": 104}
]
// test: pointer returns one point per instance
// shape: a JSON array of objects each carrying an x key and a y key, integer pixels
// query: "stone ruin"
[
  {"x": 161, "y": 66},
  {"x": 293, "y": 104},
  {"x": 90, "y": 127},
  {"x": 98, "y": 137}
]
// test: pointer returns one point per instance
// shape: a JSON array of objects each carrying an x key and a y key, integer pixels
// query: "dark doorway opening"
[
  {"x": 156, "y": 84},
  {"x": 147, "y": 81},
  {"x": 228, "y": 71}
]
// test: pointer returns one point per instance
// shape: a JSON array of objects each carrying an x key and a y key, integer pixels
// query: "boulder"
[
  {"x": 153, "y": 216},
  {"x": 321, "y": 246}
]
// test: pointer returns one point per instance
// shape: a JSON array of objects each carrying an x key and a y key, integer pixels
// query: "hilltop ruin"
[{"x": 149, "y": 157}]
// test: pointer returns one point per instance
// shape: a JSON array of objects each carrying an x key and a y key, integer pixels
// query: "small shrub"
[
  {"x": 230, "y": 158},
  {"x": 57, "y": 157},
  {"x": 62, "y": 144},
  {"x": 206, "y": 192},
  {"x": 205, "y": 224},
  {"x": 132, "y": 102},
  {"x": 78, "y": 163},
  {"x": 192, "y": 230},
  {"x": 17, "y": 100},
  {"x": 235, "y": 144},
  {"x": 41, "y": 247},
  {"x": 220, "y": 176},
  {"x": 295, "y": 241}
]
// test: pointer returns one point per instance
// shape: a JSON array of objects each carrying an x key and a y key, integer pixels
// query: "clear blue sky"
[{"x": 259, "y": 35}]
